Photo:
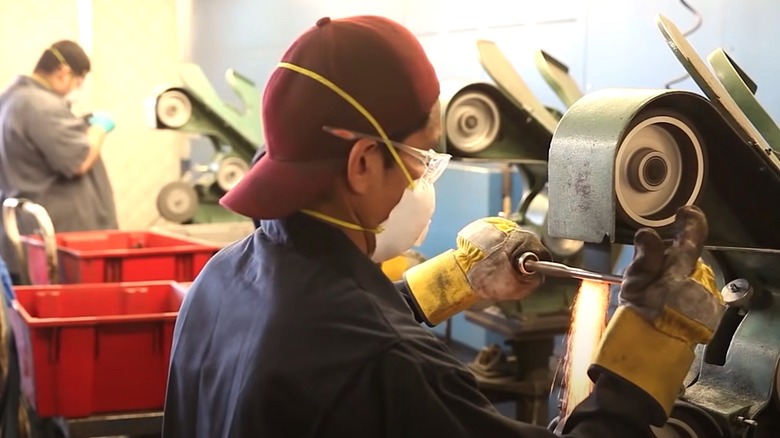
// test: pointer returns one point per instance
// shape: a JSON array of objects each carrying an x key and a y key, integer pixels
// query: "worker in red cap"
[{"x": 295, "y": 331}]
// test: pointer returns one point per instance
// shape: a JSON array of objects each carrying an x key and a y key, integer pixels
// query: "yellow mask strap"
[
  {"x": 339, "y": 222},
  {"x": 57, "y": 54},
  {"x": 344, "y": 95}
]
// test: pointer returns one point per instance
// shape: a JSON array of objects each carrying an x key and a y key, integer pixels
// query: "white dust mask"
[{"x": 408, "y": 223}]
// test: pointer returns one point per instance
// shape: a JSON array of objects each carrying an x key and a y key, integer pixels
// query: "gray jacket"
[{"x": 42, "y": 146}]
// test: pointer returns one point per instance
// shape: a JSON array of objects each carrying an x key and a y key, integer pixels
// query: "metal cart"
[{"x": 134, "y": 424}]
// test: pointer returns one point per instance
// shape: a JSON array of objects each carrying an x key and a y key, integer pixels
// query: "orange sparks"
[{"x": 589, "y": 314}]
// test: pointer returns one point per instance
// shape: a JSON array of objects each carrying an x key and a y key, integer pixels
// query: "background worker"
[
  {"x": 49, "y": 155},
  {"x": 296, "y": 332}
]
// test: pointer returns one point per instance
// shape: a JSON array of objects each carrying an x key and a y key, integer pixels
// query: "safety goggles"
[{"x": 434, "y": 162}]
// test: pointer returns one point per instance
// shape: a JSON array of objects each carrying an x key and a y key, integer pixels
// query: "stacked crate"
[{"x": 94, "y": 335}]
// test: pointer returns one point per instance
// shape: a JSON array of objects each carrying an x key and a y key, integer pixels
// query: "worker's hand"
[
  {"x": 484, "y": 266},
  {"x": 659, "y": 280},
  {"x": 488, "y": 252},
  {"x": 668, "y": 303},
  {"x": 102, "y": 120}
]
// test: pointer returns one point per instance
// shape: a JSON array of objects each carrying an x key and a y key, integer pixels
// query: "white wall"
[
  {"x": 606, "y": 43},
  {"x": 134, "y": 46},
  {"x": 27, "y": 28}
]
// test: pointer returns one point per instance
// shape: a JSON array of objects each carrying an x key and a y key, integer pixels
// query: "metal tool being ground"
[{"x": 529, "y": 264}]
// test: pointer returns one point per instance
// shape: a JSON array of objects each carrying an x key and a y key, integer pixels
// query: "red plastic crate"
[
  {"x": 97, "y": 348},
  {"x": 118, "y": 256}
]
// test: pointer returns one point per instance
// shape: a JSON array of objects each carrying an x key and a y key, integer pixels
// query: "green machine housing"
[
  {"x": 622, "y": 159},
  {"x": 503, "y": 121},
  {"x": 235, "y": 133}
]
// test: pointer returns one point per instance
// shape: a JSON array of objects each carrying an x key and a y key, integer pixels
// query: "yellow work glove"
[
  {"x": 668, "y": 304},
  {"x": 483, "y": 266}
]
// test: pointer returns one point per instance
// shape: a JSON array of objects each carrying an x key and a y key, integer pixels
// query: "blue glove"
[{"x": 103, "y": 120}]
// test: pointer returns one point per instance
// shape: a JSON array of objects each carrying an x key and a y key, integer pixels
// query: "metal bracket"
[
  {"x": 557, "y": 76},
  {"x": 745, "y": 384},
  {"x": 742, "y": 89},
  {"x": 11, "y": 207}
]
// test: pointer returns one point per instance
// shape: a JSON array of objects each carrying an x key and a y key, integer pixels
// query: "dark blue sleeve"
[{"x": 418, "y": 396}]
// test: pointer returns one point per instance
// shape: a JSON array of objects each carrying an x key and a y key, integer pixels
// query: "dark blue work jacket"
[{"x": 294, "y": 332}]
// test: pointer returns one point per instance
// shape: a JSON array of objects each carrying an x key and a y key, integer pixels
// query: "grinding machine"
[
  {"x": 235, "y": 133},
  {"x": 622, "y": 159},
  {"x": 502, "y": 121}
]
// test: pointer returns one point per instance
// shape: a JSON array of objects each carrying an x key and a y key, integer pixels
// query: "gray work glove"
[
  {"x": 661, "y": 279},
  {"x": 482, "y": 267},
  {"x": 668, "y": 303}
]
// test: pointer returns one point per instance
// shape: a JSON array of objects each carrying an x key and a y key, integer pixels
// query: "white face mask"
[
  {"x": 407, "y": 224},
  {"x": 74, "y": 101},
  {"x": 74, "y": 96},
  {"x": 78, "y": 98}
]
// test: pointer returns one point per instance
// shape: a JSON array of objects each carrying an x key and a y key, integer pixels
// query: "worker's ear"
[
  {"x": 63, "y": 71},
  {"x": 364, "y": 163}
]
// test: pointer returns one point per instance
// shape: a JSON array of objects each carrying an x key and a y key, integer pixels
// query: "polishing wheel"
[
  {"x": 230, "y": 172},
  {"x": 177, "y": 202},
  {"x": 174, "y": 108},
  {"x": 659, "y": 167},
  {"x": 473, "y": 122}
]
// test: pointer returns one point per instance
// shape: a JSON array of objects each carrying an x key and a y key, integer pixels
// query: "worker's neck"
[
  {"x": 358, "y": 238},
  {"x": 362, "y": 239},
  {"x": 42, "y": 79}
]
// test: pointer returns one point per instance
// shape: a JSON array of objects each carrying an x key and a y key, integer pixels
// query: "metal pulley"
[
  {"x": 625, "y": 159},
  {"x": 660, "y": 166},
  {"x": 473, "y": 122},
  {"x": 498, "y": 121},
  {"x": 230, "y": 170},
  {"x": 177, "y": 202},
  {"x": 173, "y": 108}
]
